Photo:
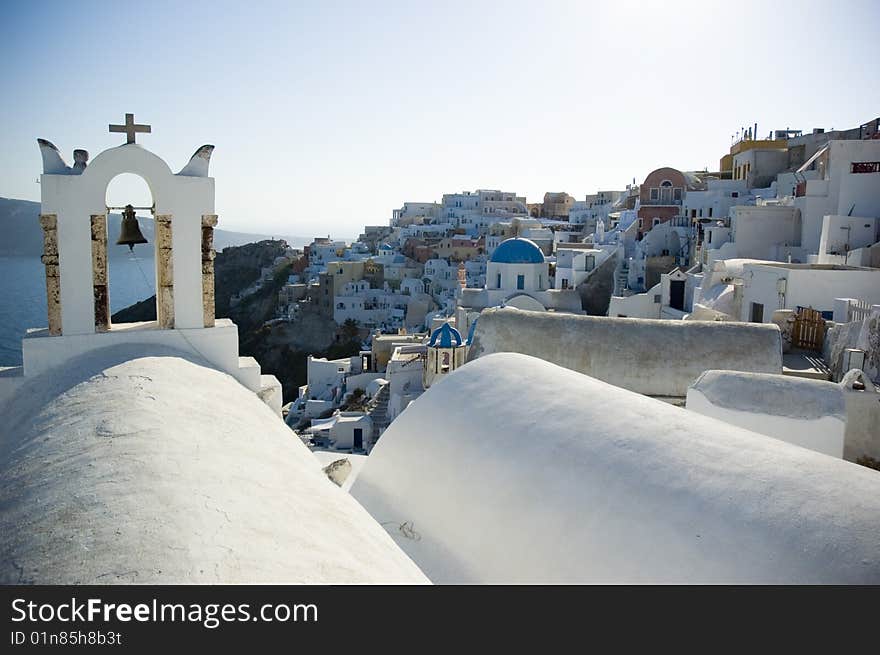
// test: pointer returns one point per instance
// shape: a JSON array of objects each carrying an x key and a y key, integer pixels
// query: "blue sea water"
[{"x": 23, "y": 296}]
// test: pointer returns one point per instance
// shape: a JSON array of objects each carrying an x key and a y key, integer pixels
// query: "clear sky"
[{"x": 328, "y": 115}]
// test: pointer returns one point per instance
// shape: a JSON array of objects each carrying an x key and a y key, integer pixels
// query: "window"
[
  {"x": 757, "y": 313},
  {"x": 676, "y": 194},
  {"x": 655, "y": 193},
  {"x": 498, "y": 282},
  {"x": 865, "y": 167},
  {"x": 710, "y": 212},
  {"x": 520, "y": 282},
  {"x": 656, "y": 298},
  {"x": 735, "y": 194}
]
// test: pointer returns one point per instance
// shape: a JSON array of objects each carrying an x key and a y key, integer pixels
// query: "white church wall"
[
  {"x": 807, "y": 413},
  {"x": 609, "y": 486},
  {"x": 218, "y": 345},
  {"x": 653, "y": 357}
]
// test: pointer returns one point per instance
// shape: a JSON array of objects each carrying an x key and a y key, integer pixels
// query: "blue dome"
[
  {"x": 445, "y": 336},
  {"x": 517, "y": 251}
]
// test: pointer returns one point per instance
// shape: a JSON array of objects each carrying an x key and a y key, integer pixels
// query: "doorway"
[
  {"x": 358, "y": 439},
  {"x": 676, "y": 294}
]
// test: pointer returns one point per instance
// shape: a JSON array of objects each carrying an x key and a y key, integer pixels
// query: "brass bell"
[{"x": 130, "y": 233}]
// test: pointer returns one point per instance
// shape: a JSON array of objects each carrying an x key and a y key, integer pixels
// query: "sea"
[{"x": 23, "y": 296}]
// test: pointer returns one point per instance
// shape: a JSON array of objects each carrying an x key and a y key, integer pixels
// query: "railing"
[
  {"x": 662, "y": 202},
  {"x": 858, "y": 310}
]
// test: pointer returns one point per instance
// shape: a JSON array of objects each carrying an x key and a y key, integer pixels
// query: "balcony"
[{"x": 662, "y": 202}]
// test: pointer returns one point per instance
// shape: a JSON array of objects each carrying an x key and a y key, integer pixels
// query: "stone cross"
[{"x": 130, "y": 128}]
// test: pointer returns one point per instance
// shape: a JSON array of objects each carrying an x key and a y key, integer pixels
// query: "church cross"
[{"x": 130, "y": 128}]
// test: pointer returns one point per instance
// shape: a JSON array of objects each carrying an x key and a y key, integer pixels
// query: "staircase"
[{"x": 378, "y": 411}]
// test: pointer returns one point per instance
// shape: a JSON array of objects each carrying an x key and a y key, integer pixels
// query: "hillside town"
[
  {"x": 785, "y": 232},
  {"x": 672, "y": 382}
]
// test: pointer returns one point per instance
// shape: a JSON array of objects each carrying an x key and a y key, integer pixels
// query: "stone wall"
[
  {"x": 164, "y": 273},
  {"x": 49, "y": 223},
  {"x": 652, "y": 357},
  {"x": 209, "y": 221},
  {"x": 864, "y": 335},
  {"x": 99, "y": 272}
]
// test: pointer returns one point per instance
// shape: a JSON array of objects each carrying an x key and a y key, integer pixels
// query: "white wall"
[
  {"x": 653, "y": 357},
  {"x": 536, "y": 277},
  {"x": 639, "y": 305},
  {"x": 805, "y": 286},
  {"x": 754, "y": 230},
  {"x": 74, "y": 198},
  {"x": 807, "y": 413},
  {"x": 324, "y": 375},
  {"x": 840, "y": 234}
]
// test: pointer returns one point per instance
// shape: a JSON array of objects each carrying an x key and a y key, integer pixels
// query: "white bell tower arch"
[{"x": 73, "y": 216}]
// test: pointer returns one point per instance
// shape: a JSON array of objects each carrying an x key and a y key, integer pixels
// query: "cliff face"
[
  {"x": 235, "y": 269},
  {"x": 595, "y": 291},
  {"x": 281, "y": 348}
]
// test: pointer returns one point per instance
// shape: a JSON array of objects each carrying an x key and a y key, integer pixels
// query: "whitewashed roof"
[
  {"x": 545, "y": 475},
  {"x": 160, "y": 470}
]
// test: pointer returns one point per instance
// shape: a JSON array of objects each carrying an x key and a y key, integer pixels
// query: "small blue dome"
[
  {"x": 386, "y": 246},
  {"x": 445, "y": 336},
  {"x": 517, "y": 251}
]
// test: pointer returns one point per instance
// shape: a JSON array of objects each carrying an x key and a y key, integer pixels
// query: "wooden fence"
[{"x": 808, "y": 331}]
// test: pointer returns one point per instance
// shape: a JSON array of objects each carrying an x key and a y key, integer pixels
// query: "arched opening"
[{"x": 131, "y": 275}]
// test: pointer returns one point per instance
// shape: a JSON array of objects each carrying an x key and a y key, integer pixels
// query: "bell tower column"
[
  {"x": 164, "y": 273},
  {"x": 99, "y": 272},
  {"x": 49, "y": 223},
  {"x": 209, "y": 221}
]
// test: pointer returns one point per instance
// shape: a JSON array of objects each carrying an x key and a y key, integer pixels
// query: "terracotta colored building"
[{"x": 661, "y": 197}]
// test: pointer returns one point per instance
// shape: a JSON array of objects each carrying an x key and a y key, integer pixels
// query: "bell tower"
[{"x": 73, "y": 217}]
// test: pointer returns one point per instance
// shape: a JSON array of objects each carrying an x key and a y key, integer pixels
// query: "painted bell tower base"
[{"x": 217, "y": 345}]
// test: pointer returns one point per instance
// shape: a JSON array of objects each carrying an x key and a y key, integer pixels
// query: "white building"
[
  {"x": 574, "y": 265},
  {"x": 765, "y": 231},
  {"x": 474, "y": 211},
  {"x": 517, "y": 275},
  {"x": 594, "y": 208},
  {"x": 850, "y": 187},
  {"x": 415, "y": 213},
  {"x": 770, "y": 286}
]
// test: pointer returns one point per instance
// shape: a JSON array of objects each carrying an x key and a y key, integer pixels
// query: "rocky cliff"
[{"x": 280, "y": 347}]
